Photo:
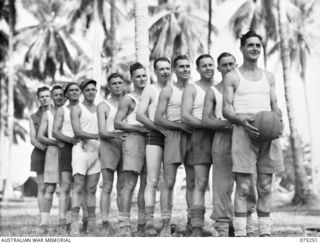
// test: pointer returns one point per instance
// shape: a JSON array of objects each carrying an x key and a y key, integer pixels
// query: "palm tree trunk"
[
  {"x": 302, "y": 191},
  {"x": 141, "y": 32},
  {"x": 209, "y": 25},
  {"x": 112, "y": 33},
  {"x": 96, "y": 48},
  {"x": 8, "y": 191}
]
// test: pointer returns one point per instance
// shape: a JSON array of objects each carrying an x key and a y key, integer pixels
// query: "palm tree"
[
  {"x": 257, "y": 15},
  {"x": 303, "y": 40},
  {"x": 178, "y": 30},
  {"x": 302, "y": 192},
  {"x": 141, "y": 32},
  {"x": 49, "y": 43}
]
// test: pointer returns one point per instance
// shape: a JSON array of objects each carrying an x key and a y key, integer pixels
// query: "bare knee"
[
  {"x": 41, "y": 187},
  {"x": 264, "y": 189},
  {"x": 107, "y": 188},
  {"x": 201, "y": 184},
  {"x": 152, "y": 182},
  {"x": 91, "y": 190},
  {"x": 190, "y": 185},
  {"x": 243, "y": 189},
  {"x": 170, "y": 182},
  {"x": 66, "y": 186}
]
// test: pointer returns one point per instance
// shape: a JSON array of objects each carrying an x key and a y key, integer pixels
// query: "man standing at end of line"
[
  {"x": 38, "y": 154},
  {"x": 110, "y": 152},
  {"x": 51, "y": 166},
  {"x": 85, "y": 160},
  {"x": 155, "y": 138},
  {"x": 222, "y": 175},
  {"x": 201, "y": 138},
  {"x": 247, "y": 91},
  {"x": 168, "y": 115},
  {"x": 134, "y": 149}
]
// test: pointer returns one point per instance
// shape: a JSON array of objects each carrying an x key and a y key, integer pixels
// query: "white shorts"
[{"x": 85, "y": 158}]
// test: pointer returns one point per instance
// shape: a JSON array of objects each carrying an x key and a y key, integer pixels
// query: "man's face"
[
  {"x": 182, "y": 69},
  {"x": 163, "y": 71},
  {"x": 140, "y": 78},
  {"x": 44, "y": 98},
  {"x": 116, "y": 86},
  {"x": 89, "y": 92},
  {"x": 226, "y": 64},
  {"x": 252, "y": 48},
  {"x": 206, "y": 68},
  {"x": 57, "y": 97},
  {"x": 73, "y": 93}
]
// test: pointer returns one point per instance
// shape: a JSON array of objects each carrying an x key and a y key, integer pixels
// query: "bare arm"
[
  {"x": 102, "y": 113},
  {"x": 186, "y": 108},
  {"x": 33, "y": 138},
  {"x": 229, "y": 82},
  {"x": 122, "y": 113},
  {"x": 160, "y": 115},
  {"x": 75, "y": 121},
  {"x": 209, "y": 120},
  {"x": 57, "y": 128},
  {"x": 43, "y": 131}
]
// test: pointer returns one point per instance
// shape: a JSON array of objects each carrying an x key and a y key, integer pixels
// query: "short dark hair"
[
  {"x": 162, "y": 59},
  {"x": 247, "y": 35},
  {"x": 223, "y": 55},
  {"x": 68, "y": 85},
  {"x": 177, "y": 58},
  {"x": 135, "y": 66},
  {"x": 86, "y": 82},
  {"x": 41, "y": 89},
  {"x": 202, "y": 57},
  {"x": 56, "y": 87},
  {"x": 114, "y": 75}
]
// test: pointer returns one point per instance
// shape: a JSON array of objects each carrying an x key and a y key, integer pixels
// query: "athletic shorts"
[
  {"x": 250, "y": 157},
  {"x": 37, "y": 161},
  {"x": 174, "y": 147},
  {"x": 65, "y": 158},
  {"x": 200, "y": 147},
  {"x": 134, "y": 152},
  {"x": 51, "y": 165},
  {"x": 110, "y": 153},
  {"x": 85, "y": 158},
  {"x": 156, "y": 138}
]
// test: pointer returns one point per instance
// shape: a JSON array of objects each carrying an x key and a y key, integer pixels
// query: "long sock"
[
  {"x": 197, "y": 216},
  {"x": 240, "y": 225},
  {"x": 264, "y": 226},
  {"x": 75, "y": 216},
  {"x": 124, "y": 219},
  {"x": 222, "y": 228},
  {"x": 141, "y": 217},
  {"x": 250, "y": 227},
  {"x": 149, "y": 215},
  {"x": 44, "y": 218}
]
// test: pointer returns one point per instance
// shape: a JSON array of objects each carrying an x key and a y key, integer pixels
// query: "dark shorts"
[
  {"x": 65, "y": 158},
  {"x": 37, "y": 160},
  {"x": 155, "y": 138},
  {"x": 200, "y": 143}
]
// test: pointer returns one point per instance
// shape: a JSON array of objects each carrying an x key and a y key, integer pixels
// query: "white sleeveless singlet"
[
  {"x": 174, "y": 105},
  {"x": 50, "y": 124},
  {"x": 252, "y": 96},
  {"x": 218, "y": 97},
  {"x": 88, "y": 120},
  {"x": 66, "y": 124},
  {"x": 152, "y": 107},
  {"x": 111, "y": 116},
  {"x": 131, "y": 118},
  {"x": 198, "y": 103}
]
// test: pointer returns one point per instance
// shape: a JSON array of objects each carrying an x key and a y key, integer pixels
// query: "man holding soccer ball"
[{"x": 247, "y": 91}]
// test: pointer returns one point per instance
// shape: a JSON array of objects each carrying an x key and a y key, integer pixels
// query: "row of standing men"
[{"x": 197, "y": 124}]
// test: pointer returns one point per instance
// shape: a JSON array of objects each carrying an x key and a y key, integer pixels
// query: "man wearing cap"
[
  {"x": 51, "y": 165},
  {"x": 62, "y": 131},
  {"x": 85, "y": 161}
]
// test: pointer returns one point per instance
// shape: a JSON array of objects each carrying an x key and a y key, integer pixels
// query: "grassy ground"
[{"x": 21, "y": 218}]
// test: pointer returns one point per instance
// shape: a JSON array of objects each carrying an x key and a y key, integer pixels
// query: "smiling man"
[
  {"x": 201, "y": 138},
  {"x": 247, "y": 91}
]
